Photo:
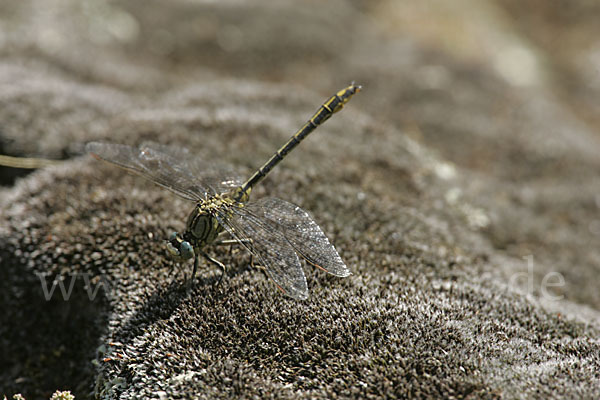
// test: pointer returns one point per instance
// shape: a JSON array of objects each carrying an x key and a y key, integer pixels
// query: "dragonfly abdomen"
[{"x": 334, "y": 104}]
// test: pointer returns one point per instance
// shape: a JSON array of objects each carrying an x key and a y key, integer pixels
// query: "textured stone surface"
[{"x": 472, "y": 150}]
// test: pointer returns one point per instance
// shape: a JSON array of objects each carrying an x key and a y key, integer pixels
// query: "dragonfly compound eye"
[{"x": 186, "y": 250}]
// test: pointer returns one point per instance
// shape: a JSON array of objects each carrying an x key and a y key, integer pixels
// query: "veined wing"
[
  {"x": 269, "y": 246},
  {"x": 303, "y": 233},
  {"x": 219, "y": 176},
  {"x": 177, "y": 174}
]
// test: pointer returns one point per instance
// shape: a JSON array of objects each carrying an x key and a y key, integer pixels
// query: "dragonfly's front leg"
[
  {"x": 217, "y": 263},
  {"x": 191, "y": 281},
  {"x": 195, "y": 266}
]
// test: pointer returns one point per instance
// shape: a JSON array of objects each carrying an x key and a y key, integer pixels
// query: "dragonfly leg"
[
  {"x": 195, "y": 268},
  {"x": 262, "y": 268},
  {"x": 217, "y": 263},
  {"x": 231, "y": 242}
]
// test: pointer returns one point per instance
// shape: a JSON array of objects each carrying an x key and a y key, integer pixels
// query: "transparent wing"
[
  {"x": 219, "y": 176},
  {"x": 302, "y": 232},
  {"x": 172, "y": 169},
  {"x": 269, "y": 246}
]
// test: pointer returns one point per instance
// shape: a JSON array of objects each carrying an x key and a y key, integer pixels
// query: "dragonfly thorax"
[{"x": 202, "y": 225}]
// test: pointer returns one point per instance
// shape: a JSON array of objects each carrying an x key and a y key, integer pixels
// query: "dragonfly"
[{"x": 275, "y": 232}]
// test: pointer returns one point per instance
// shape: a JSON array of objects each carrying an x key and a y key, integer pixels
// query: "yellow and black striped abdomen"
[{"x": 334, "y": 104}]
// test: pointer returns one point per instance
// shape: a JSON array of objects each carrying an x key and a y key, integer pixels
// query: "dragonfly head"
[{"x": 179, "y": 248}]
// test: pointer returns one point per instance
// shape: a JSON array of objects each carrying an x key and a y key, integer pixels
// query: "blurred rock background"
[{"x": 461, "y": 187}]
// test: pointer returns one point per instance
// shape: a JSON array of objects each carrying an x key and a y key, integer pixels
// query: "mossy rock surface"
[{"x": 459, "y": 195}]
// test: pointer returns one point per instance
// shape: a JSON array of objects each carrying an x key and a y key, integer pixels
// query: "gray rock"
[{"x": 458, "y": 200}]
